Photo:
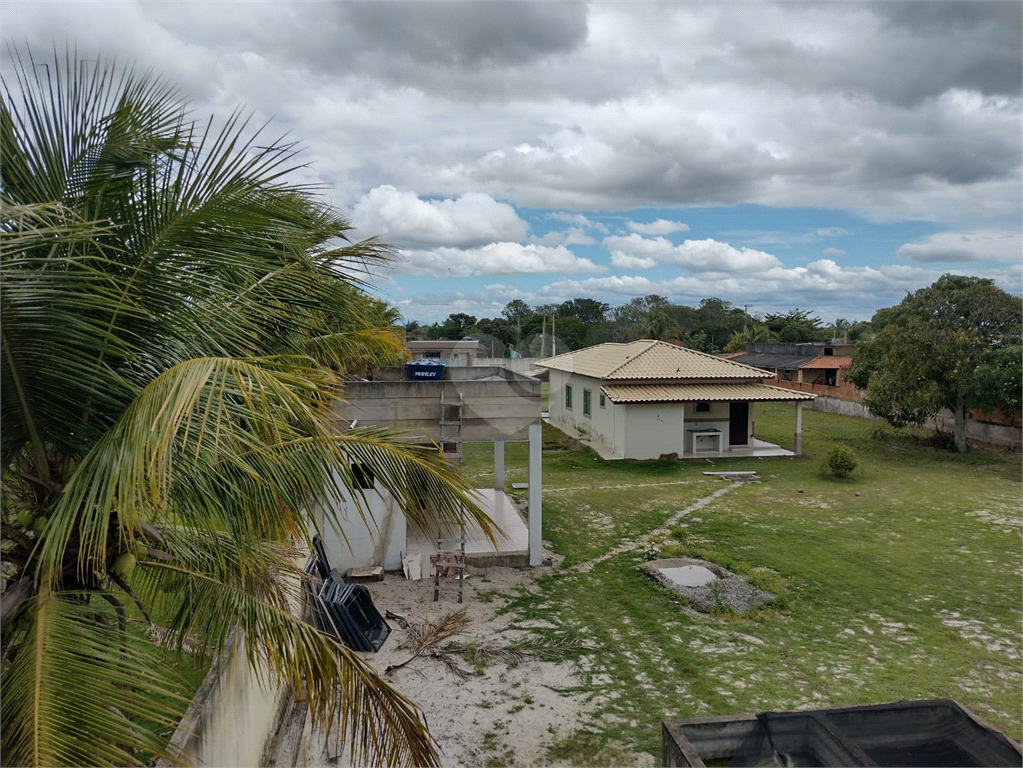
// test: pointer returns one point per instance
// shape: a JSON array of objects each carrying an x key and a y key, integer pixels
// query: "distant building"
[
  {"x": 811, "y": 363},
  {"x": 454, "y": 353}
]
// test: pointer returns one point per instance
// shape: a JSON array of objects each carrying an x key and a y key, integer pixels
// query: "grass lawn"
[{"x": 903, "y": 582}]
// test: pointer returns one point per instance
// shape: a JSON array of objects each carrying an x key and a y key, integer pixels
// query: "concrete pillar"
[
  {"x": 499, "y": 466},
  {"x": 535, "y": 495},
  {"x": 799, "y": 427}
]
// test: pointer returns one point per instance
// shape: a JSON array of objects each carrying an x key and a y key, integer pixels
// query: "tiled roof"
[
  {"x": 685, "y": 393},
  {"x": 651, "y": 360},
  {"x": 829, "y": 361}
]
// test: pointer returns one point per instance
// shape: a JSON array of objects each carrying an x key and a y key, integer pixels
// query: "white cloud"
[
  {"x": 579, "y": 220},
  {"x": 694, "y": 255},
  {"x": 954, "y": 247},
  {"x": 833, "y": 252},
  {"x": 492, "y": 259},
  {"x": 832, "y": 232},
  {"x": 659, "y": 227},
  {"x": 402, "y": 218},
  {"x": 823, "y": 286},
  {"x": 625, "y": 261},
  {"x": 570, "y": 236}
]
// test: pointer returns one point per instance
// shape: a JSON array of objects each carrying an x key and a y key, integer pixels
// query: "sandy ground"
[{"x": 509, "y": 715}]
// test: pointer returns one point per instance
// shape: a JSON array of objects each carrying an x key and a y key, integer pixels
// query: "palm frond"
[
  {"x": 381, "y": 725},
  {"x": 77, "y": 690}
]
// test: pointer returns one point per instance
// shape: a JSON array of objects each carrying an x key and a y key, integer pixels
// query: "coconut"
[
  {"x": 39, "y": 524},
  {"x": 25, "y": 518},
  {"x": 124, "y": 565},
  {"x": 141, "y": 551}
]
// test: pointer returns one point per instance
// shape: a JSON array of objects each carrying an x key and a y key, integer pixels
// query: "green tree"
[
  {"x": 796, "y": 326},
  {"x": 930, "y": 348},
  {"x": 516, "y": 311},
  {"x": 454, "y": 327},
  {"x": 587, "y": 310},
  {"x": 718, "y": 319},
  {"x": 175, "y": 318},
  {"x": 998, "y": 382},
  {"x": 754, "y": 334}
]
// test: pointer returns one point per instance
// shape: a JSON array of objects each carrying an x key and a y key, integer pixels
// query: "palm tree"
[
  {"x": 177, "y": 320},
  {"x": 754, "y": 334}
]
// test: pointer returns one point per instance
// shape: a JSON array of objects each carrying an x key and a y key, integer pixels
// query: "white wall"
[
  {"x": 235, "y": 713},
  {"x": 599, "y": 426},
  {"x": 379, "y": 539},
  {"x": 653, "y": 429}
]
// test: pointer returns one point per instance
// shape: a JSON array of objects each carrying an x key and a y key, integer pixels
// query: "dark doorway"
[{"x": 738, "y": 423}]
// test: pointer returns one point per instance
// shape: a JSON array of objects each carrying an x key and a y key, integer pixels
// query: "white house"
[{"x": 645, "y": 399}]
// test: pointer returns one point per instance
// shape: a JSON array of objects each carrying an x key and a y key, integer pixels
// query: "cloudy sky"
[{"x": 822, "y": 156}]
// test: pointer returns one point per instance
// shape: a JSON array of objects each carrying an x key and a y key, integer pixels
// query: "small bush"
[
  {"x": 879, "y": 433},
  {"x": 840, "y": 462}
]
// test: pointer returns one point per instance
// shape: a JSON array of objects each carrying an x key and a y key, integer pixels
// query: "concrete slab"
[{"x": 512, "y": 547}]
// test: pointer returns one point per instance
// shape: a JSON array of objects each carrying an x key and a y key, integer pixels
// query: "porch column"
[
  {"x": 499, "y": 465},
  {"x": 535, "y": 495},
  {"x": 799, "y": 427}
]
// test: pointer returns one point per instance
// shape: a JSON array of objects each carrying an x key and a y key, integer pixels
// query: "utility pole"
[{"x": 745, "y": 319}]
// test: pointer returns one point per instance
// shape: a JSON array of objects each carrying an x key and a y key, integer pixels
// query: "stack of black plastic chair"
[{"x": 341, "y": 609}]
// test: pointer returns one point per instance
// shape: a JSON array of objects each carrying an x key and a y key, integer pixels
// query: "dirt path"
[{"x": 664, "y": 530}]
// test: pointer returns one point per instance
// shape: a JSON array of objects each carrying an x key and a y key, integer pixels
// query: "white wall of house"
[
  {"x": 637, "y": 430},
  {"x": 379, "y": 539},
  {"x": 599, "y": 424},
  {"x": 653, "y": 429}
]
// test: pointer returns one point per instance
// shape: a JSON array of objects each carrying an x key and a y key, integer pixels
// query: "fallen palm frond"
[{"x": 424, "y": 640}]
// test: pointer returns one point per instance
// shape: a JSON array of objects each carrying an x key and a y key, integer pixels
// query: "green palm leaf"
[{"x": 178, "y": 321}]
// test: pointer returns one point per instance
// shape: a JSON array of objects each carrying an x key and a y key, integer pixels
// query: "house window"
[
  {"x": 703, "y": 407},
  {"x": 568, "y": 397},
  {"x": 602, "y": 400},
  {"x": 362, "y": 475},
  {"x": 587, "y": 397}
]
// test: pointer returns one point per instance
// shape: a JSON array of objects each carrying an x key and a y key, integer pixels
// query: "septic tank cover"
[{"x": 705, "y": 585}]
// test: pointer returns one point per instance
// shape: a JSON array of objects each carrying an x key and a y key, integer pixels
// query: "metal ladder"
[
  {"x": 451, "y": 422},
  {"x": 447, "y": 561}
]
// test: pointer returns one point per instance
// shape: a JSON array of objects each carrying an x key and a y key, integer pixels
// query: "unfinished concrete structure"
[{"x": 469, "y": 404}]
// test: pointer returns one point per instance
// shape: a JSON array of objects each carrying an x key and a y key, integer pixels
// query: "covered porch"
[{"x": 511, "y": 550}]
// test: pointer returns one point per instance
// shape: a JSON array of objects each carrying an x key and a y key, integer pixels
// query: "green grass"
[{"x": 901, "y": 582}]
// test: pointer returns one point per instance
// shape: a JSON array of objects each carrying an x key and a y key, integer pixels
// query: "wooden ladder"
[
  {"x": 449, "y": 560},
  {"x": 451, "y": 427}
]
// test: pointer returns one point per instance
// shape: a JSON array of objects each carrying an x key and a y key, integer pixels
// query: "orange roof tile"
[{"x": 829, "y": 361}]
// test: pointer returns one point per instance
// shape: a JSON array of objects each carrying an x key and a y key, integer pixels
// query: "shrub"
[{"x": 840, "y": 462}]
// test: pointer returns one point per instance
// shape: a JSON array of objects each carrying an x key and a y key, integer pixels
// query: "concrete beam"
[
  {"x": 499, "y": 465},
  {"x": 535, "y": 495},
  {"x": 799, "y": 428}
]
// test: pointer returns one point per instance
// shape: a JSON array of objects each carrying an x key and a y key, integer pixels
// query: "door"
[{"x": 738, "y": 423}]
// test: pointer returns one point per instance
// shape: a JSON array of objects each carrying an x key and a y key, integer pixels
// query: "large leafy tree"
[
  {"x": 934, "y": 350},
  {"x": 177, "y": 320}
]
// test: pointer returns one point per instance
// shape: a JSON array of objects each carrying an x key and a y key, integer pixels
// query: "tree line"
[{"x": 713, "y": 326}]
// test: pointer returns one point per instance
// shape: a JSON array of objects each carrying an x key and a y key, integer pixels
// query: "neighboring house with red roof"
[
  {"x": 645, "y": 399},
  {"x": 815, "y": 367}
]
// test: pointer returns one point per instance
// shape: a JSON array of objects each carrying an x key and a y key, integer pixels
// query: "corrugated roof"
[
  {"x": 646, "y": 359},
  {"x": 829, "y": 361},
  {"x": 675, "y": 393},
  {"x": 772, "y": 360}
]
